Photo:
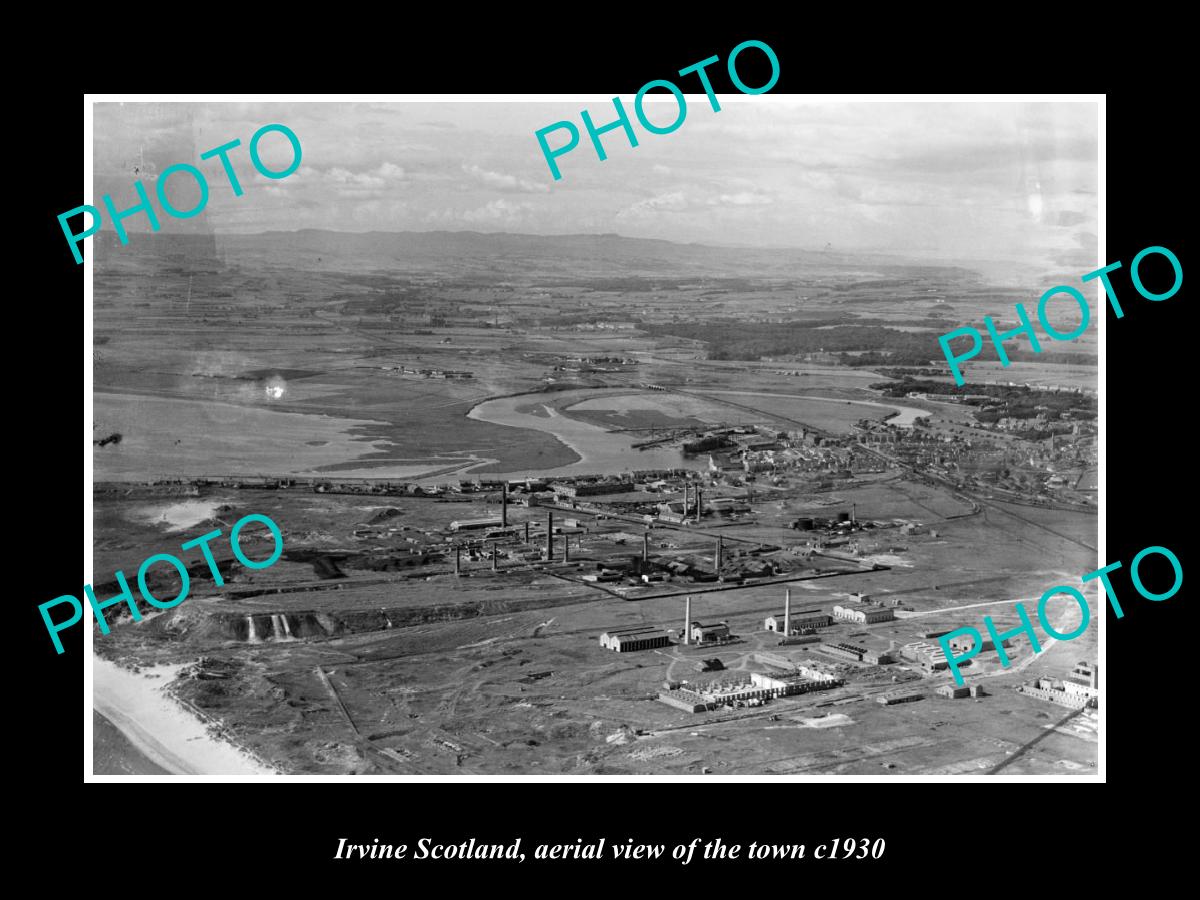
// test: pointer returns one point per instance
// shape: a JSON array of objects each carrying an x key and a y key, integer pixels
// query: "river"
[
  {"x": 611, "y": 452},
  {"x": 604, "y": 452}
]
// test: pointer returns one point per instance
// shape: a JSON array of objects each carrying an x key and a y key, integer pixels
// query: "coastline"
[{"x": 159, "y": 727}]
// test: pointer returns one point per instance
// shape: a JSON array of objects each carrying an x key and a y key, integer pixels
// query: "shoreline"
[{"x": 160, "y": 727}]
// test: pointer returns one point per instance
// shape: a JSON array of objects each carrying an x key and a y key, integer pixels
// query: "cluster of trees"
[
  {"x": 860, "y": 342},
  {"x": 736, "y": 339},
  {"x": 998, "y": 401}
]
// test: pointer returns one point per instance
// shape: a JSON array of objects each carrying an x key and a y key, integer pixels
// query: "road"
[{"x": 1025, "y": 748}]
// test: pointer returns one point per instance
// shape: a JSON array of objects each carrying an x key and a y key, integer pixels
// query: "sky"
[{"x": 944, "y": 181}]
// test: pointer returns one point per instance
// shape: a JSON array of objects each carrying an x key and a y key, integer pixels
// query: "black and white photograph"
[{"x": 471, "y": 438}]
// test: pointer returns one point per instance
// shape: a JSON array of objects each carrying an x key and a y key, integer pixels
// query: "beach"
[{"x": 162, "y": 732}]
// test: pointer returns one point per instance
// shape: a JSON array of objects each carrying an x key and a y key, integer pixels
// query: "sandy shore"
[{"x": 159, "y": 727}]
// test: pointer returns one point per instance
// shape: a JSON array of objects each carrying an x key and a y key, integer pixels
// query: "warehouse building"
[
  {"x": 864, "y": 616},
  {"x": 1066, "y": 694},
  {"x": 953, "y": 691},
  {"x": 634, "y": 637},
  {"x": 472, "y": 524},
  {"x": 847, "y": 651},
  {"x": 931, "y": 656},
  {"x": 1084, "y": 675},
  {"x": 800, "y": 622},
  {"x": 716, "y": 633},
  {"x": 900, "y": 697},
  {"x": 965, "y": 642},
  {"x": 762, "y": 687}
]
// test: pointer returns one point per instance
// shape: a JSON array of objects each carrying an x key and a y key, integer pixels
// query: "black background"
[{"x": 942, "y": 835}]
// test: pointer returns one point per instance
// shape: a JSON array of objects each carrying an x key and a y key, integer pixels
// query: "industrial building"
[
  {"x": 1079, "y": 689},
  {"x": 591, "y": 489},
  {"x": 931, "y": 656},
  {"x": 1086, "y": 675},
  {"x": 762, "y": 687},
  {"x": 849, "y": 651},
  {"x": 900, "y": 697},
  {"x": 799, "y": 639},
  {"x": 634, "y": 637},
  {"x": 1065, "y": 694},
  {"x": 472, "y": 524},
  {"x": 864, "y": 616},
  {"x": 799, "y": 622},
  {"x": 953, "y": 691},
  {"x": 804, "y": 620},
  {"x": 965, "y": 642},
  {"x": 716, "y": 633}
]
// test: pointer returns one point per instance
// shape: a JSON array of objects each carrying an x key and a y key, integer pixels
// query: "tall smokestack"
[
  {"x": 494, "y": 555},
  {"x": 504, "y": 506},
  {"x": 685, "y": 499},
  {"x": 717, "y": 557},
  {"x": 549, "y": 536},
  {"x": 853, "y": 513},
  {"x": 457, "y": 560},
  {"x": 566, "y": 547},
  {"x": 699, "y": 503},
  {"x": 527, "y": 532},
  {"x": 645, "y": 546},
  {"x": 687, "y": 620},
  {"x": 787, "y": 611}
]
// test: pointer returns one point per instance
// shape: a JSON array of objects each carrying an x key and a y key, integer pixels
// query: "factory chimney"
[
  {"x": 687, "y": 620},
  {"x": 717, "y": 557},
  {"x": 457, "y": 560},
  {"x": 645, "y": 546},
  {"x": 527, "y": 532},
  {"x": 699, "y": 503},
  {"x": 549, "y": 536},
  {"x": 566, "y": 548},
  {"x": 494, "y": 555},
  {"x": 853, "y": 513},
  {"x": 787, "y": 612},
  {"x": 504, "y": 506}
]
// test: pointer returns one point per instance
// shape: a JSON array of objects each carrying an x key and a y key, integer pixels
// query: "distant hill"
[{"x": 558, "y": 257}]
